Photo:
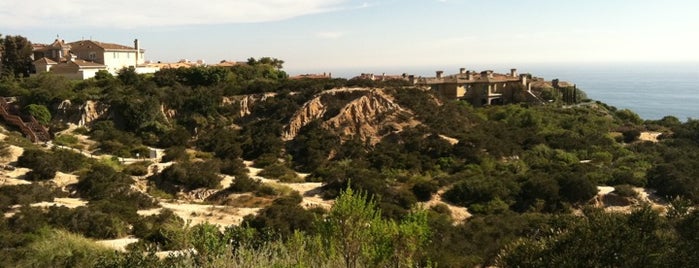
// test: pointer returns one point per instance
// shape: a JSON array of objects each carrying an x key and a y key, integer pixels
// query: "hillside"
[{"x": 215, "y": 164}]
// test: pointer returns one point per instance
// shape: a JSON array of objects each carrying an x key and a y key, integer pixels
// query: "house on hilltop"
[
  {"x": 83, "y": 59},
  {"x": 484, "y": 88}
]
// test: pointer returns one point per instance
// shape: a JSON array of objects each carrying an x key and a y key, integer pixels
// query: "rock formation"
[{"x": 369, "y": 117}]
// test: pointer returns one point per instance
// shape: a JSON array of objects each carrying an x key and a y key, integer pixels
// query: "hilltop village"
[
  {"x": 83, "y": 59},
  {"x": 110, "y": 160}
]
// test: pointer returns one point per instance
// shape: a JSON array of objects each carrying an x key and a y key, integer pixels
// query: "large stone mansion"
[{"x": 484, "y": 88}]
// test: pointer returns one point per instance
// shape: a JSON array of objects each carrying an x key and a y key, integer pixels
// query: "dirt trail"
[
  {"x": 308, "y": 190},
  {"x": 459, "y": 214},
  {"x": 223, "y": 216}
]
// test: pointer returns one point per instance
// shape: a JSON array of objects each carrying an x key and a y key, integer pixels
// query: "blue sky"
[{"x": 330, "y": 35}]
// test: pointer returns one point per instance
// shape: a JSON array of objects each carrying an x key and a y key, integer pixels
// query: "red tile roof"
[
  {"x": 105, "y": 46},
  {"x": 45, "y": 60},
  {"x": 86, "y": 64}
]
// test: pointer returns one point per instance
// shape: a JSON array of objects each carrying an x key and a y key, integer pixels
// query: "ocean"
[{"x": 652, "y": 90}]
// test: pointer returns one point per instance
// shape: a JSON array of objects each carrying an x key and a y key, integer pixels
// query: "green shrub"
[
  {"x": 175, "y": 154},
  {"x": 424, "y": 190},
  {"x": 66, "y": 140},
  {"x": 625, "y": 190},
  {"x": 137, "y": 169},
  {"x": 58, "y": 248},
  {"x": 279, "y": 171},
  {"x": 244, "y": 183},
  {"x": 40, "y": 112}
]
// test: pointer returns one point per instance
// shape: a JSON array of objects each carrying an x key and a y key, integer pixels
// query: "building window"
[
  {"x": 114, "y": 55},
  {"x": 92, "y": 56},
  {"x": 128, "y": 55}
]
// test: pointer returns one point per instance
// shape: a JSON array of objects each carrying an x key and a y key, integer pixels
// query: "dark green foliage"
[
  {"x": 424, "y": 190},
  {"x": 41, "y": 163},
  {"x": 112, "y": 140},
  {"x": 44, "y": 164},
  {"x": 284, "y": 216},
  {"x": 311, "y": 148},
  {"x": 177, "y": 136},
  {"x": 223, "y": 142},
  {"x": 137, "y": 169},
  {"x": 25, "y": 194},
  {"x": 104, "y": 183},
  {"x": 243, "y": 183},
  {"x": 40, "y": 112},
  {"x": 175, "y": 154},
  {"x": 164, "y": 229},
  {"x": 260, "y": 138},
  {"x": 16, "y": 55},
  {"x": 187, "y": 176},
  {"x": 280, "y": 171},
  {"x": 598, "y": 240}
]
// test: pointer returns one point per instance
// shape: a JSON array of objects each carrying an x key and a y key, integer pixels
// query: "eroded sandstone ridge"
[{"x": 370, "y": 116}]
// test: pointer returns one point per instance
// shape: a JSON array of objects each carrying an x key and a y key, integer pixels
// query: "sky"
[{"x": 314, "y": 36}]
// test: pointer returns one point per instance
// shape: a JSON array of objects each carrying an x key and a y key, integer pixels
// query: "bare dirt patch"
[
  {"x": 222, "y": 216},
  {"x": 650, "y": 136},
  {"x": 458, "y": 213}
]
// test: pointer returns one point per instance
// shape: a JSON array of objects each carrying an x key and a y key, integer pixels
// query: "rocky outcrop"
[
  {"x": 246, "y": 102},
  {"x": 92, "y": 111},
  {"x": 311, "y": 110},
  {"x": 81, "y": 114},
  {"x": 369, "y": 117}
]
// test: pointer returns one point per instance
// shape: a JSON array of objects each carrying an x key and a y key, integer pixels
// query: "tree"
[
  {"x": 40, "y": 112},
  {"x": 348, "y": 224},
  {"x": 16, "y": 55},
  {"x": 354, "y": 228}
]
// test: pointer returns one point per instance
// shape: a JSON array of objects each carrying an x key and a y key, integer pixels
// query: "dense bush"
[{"x": 187, "y": 176}]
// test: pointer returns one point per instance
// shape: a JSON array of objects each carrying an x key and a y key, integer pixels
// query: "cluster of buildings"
[
  {"x": 83, "y": 59},
  {"x": 479, "y": 88}
]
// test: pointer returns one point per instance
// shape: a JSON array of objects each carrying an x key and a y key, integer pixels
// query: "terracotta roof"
[
  {"x": 87, "y": 64},
  {"x": 105, "y": 46},
  {"x": 45, "y": 60},
  {"x": 311, "y": 76},
  {"x": 226, "y": 64},
  {"x": 173, "y": 65}
]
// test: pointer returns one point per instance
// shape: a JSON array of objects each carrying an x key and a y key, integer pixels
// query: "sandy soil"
[
  {"x": 66, "y": 202},
  {"x": 309, "y": 190},
  {"x": 644, "y": 196},
  {"x": 118, "y": 244},
  {"x": 62, "y": 179},
  {"x": 8, "y": 177},
  {"x": 13, "y": 152},
  {"x": 458, "y": 213},
  {"x": 649, "y": 136},
  {"x": 222, "y": 216}
]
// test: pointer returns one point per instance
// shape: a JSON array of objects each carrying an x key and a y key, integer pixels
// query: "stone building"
[{"x": 479, "y": 89}]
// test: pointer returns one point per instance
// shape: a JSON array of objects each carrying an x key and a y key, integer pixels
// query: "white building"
[{"x": 82, "y": 59}]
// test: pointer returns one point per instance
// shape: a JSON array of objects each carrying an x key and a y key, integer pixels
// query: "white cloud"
[
  {"x": 153, "y": 13},
  {"x": 329, "y": 35}
]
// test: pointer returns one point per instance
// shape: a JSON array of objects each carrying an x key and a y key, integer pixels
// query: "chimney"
[
  {"x": 439, "y": 74},
  {"x": 554, "y": 83},
  {"x": 462, "y": 70},
  {"x": 513, "y": 72},
  {"x": 524, "y": 79},
  {"x": 469, "y": 75},
  {"x": 484, "y": 74},
  {"x": 138, "y": 50}
]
